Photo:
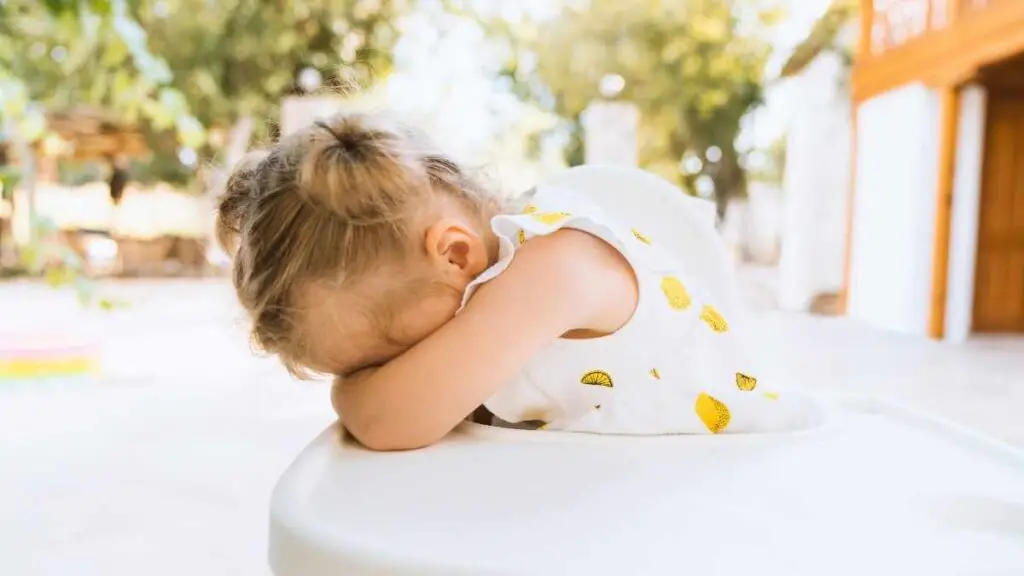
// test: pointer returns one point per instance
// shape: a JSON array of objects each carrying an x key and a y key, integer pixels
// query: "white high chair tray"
[{"x": 875, "y": 489}]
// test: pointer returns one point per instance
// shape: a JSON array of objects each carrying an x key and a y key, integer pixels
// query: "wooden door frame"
[
  {"x": 994, "y": 76},
  {"x": 949, "y": 132}
]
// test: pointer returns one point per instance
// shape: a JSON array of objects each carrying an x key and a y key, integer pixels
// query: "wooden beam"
[
  {"x": 851, "y": 191},
  {"x": 949, "y": 110},
  {"x": 947, "y": 56},
  {"x": 867, "y": 20}
]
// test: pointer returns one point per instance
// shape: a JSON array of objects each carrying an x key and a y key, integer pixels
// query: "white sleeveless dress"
[{"x": 676, "y": 367}]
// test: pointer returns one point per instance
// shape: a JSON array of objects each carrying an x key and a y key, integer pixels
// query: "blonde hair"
[{"x": 329, "y": 203}]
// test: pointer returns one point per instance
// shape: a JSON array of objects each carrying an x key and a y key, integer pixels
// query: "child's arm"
[{"x": 567, "y": 281}]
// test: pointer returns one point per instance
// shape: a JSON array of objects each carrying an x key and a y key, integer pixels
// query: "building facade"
[{"x": 935, "y": 234}]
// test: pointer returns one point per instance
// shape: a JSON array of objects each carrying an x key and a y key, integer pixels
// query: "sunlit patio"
[{"x": 164, "y": 464}]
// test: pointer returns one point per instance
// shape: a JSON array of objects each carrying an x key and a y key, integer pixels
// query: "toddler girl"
[{"x": 363, "y": 252}]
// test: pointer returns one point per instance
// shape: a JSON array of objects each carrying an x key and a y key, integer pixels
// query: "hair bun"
[
  {"x": 349, "y": 138},
  {"x": 360, "y": 167}
]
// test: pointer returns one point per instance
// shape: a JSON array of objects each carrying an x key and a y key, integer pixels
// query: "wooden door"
[{"x": 999, "y": 278}]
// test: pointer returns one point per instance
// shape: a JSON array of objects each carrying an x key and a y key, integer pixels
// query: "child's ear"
[{"x": 456, "y": 250}]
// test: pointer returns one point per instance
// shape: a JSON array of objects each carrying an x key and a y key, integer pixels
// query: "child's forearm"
[{"x": 418, "y": 397}]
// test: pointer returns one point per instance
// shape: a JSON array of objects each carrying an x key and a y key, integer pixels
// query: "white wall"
[
  {"x": 963, "y": 241},
  {"x": 894, "y": 209},
  {"x": 816, "y": 186}
]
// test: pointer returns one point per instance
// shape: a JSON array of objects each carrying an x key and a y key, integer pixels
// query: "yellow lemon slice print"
[
  {"x": 641, "y": 237},
  {"x": 712, "y": 413},
  {"x": 521, "y": 236},
  {"x": 675, "y": 292},
  {"x": 655, "y": 374},
  {"x": 713, "y": 319},
  {"x": 530, "y": 209},
  {"x": 771, "y": 395},
  {"x": 597, "y": 378},
  {"x": 745, "y": 383},
  {"x": 550, "y": 218}
]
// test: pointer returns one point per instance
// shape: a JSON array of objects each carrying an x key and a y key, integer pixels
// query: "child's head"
[{"x": 353, "y": 240}]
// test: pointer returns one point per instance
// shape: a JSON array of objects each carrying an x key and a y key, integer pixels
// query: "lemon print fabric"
[
  {"x": 745, "y": 383},
  {"x": 639, "y": 236},
  {"x": 655, "y": 373},
  {"x": 676, "y": 294},
  {"x": 550, "y": 218},
  {"x": 714, "y": 319},
  {"x": 597, "y": 378},
  {"x": 521, "y": 236},
  {"x": 530, "y": 209},
  {"x": 714, "y": 414}
]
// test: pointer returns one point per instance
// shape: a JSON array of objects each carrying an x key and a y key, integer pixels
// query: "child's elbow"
[
  {"x": 393, "y": 440},
  {"x": 384, "y": 434}
]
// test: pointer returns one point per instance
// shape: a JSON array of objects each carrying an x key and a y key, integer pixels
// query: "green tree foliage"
[
  {"x": 825, "y": 35},
  {"x": 234, "y": 58},
  {"x": 62, "y": 54},
  {"x": 180, "y": 69},
  {"x": 191, "y": 65},
  {"x": 694, "y": 68}
]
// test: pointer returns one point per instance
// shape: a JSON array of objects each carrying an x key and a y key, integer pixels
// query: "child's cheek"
[{"x": 426, "y": 316}]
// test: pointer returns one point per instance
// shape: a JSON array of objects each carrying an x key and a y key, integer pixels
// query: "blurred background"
[
  {"x": 121, "y": 118},
  {"x": 833, "y": 136}
]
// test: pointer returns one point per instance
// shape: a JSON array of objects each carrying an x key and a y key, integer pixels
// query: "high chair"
[{"x": 868, "y": 488}]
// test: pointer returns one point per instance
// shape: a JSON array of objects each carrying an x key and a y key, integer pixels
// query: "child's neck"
[{"x": 492, "y": 244}]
